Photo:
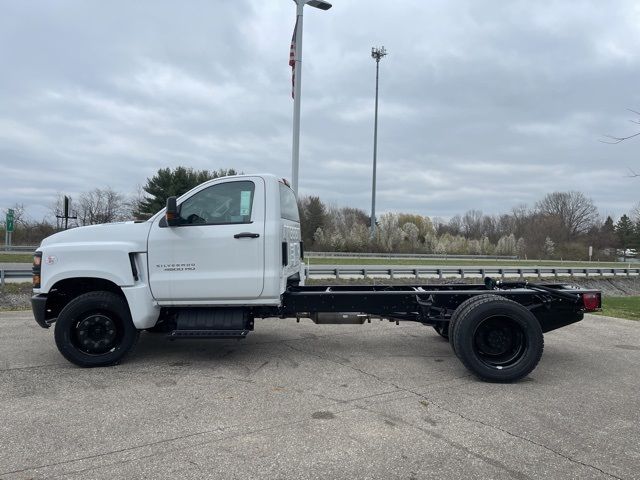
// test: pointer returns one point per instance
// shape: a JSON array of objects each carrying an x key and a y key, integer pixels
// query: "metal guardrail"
[
  {"x": 462, "y": 272},
  {"x": 422, "y": 272},
  {"x": 408, "y": 255},
  {"x": 18, "y": 248},
  {"x": 7, "y": 274}
]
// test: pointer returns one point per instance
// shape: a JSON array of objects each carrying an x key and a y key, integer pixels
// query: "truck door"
[{"x": 217, "y": 250}]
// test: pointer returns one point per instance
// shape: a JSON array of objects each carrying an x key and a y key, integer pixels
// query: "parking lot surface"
[{"x": 306, "y": 401}]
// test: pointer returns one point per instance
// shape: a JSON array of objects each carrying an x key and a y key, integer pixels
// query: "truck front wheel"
[
  {"x": 498, "y": 339},
  {"x": 95, "y": 330}
]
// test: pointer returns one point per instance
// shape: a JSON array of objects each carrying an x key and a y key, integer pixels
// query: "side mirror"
[{"x": 171, "y": 215}]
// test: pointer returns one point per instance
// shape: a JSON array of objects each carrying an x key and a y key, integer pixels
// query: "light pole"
[
  {"x": 296, "y": 47},
  {"x": 376, "y": 54}
]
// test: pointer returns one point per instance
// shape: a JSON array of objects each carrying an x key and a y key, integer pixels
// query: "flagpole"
[
  {"x": 297, "y": 85},
  {"x": 296, "y": 97}
]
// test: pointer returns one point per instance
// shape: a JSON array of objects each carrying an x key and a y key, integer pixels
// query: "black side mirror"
[{"x": 171, "y": 215}]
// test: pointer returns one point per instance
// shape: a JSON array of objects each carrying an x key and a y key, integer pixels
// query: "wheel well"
[{"x": 66, "y": 290}]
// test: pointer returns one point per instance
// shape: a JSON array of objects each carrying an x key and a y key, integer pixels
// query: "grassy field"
[
  {"x": 458, "y": 262},
  {"x": 621, "y": 307},
  {"x": 16, "y": 257}
]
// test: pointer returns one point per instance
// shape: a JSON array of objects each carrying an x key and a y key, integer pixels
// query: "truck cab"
[
  {"x": 232, "y": 240},
  {"x": 229, "y": 241}
]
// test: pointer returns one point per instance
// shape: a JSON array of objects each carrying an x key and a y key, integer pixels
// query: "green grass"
[
  {"x": 21, "y": 287},
  {"x": 457, "y": 262},
  {"x": 16, "y": 257},
  {"x": 621, "y": 307}
]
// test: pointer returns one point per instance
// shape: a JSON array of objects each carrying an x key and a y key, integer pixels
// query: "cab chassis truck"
[{"x": 229, "y": 252}]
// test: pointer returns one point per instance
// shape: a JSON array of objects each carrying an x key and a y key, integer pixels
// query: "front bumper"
[{"x": 39, "y": 307}]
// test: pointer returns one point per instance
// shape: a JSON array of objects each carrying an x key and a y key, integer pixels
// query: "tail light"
[
  {"x": 592, "y": 301},
  {"x": 37, "y": 269}
]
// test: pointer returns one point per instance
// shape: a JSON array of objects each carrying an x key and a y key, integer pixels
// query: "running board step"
[
  {"x": 208, "y": 334},
  {"x": 211, "y": 323}
]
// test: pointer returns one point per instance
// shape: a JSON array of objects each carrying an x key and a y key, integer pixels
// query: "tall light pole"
[
  {"x": 376, "y": 54},
  {"x": 296, "y": 46}
]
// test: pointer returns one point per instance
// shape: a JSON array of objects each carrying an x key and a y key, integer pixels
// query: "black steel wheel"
[
  {"x": 95, "y": 330},
  {"x": 498, "y": 339}
]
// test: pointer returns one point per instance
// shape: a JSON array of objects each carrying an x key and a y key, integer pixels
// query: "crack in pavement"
[
  {"x": 168, "y": 442},
  {"x": 33, "y": 367},
  {"x": 453, "y": 412},
  {"x": 177, "y": 438}
]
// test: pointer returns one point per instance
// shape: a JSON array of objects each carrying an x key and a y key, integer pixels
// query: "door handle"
[{"x": 246, "y": 235}]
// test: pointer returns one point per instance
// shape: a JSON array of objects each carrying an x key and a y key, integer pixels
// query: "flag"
[{"x": 292, "y": 59}]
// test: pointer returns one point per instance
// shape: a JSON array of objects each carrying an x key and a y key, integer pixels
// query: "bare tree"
[
  {"x": 19, "y": 216},
  {"x": 102, "y": 205},
  {"x": 635, "y": 212},
  {"x": 575, "y": 212},
  {"x": 472, "y": 224},
  {"x": 613, "y": 139}
]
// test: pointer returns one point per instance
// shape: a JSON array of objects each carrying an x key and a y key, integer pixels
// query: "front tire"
[
  {"x": 95, "y": 330},
  {"x": 498, "y": 339}
]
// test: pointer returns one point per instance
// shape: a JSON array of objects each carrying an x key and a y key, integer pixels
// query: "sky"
[{"x": 483, "y": 105}]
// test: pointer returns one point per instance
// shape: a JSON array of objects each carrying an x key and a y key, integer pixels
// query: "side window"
[
  {"x": 288, "y": 204},
  {"x": 229, "y": 202}
]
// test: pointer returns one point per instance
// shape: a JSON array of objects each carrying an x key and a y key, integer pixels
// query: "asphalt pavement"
[{"x": 306, "y": 401}]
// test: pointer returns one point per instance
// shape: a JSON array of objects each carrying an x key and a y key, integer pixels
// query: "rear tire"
[
  {"x": 458, "y": 311},
  {"x": 498, "y": 339},
  {"x": 95, "y": 330}
]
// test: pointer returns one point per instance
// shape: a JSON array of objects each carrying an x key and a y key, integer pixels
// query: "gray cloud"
[{"x": 482, "y": 105}]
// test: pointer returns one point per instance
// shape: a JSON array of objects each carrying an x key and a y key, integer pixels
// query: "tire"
[
  {"x": 458, "y": 311},
  {"x": 498, "y": 339},
  {"x": 442, "y": 329},
  {"x": 95, "y": 330}
]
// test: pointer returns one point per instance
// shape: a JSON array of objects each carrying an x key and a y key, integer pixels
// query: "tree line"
[{"x": 559, "y": 225}]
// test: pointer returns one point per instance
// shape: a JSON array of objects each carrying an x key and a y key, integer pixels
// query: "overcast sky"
[{"x": 483, "y": 104}]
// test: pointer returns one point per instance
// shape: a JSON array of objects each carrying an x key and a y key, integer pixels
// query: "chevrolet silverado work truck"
[{"x": 229, "y": 252}]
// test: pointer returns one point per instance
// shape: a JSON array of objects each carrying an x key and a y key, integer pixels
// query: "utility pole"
[{"x": 376, "y": 54}]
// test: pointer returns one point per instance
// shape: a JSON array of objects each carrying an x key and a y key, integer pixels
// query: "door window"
[{"x": 229, "y": 202}]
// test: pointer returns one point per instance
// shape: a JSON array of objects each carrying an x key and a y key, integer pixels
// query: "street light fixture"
[
  {"x": 297, "y": 75},
  {"x": 376, "y": 54}
]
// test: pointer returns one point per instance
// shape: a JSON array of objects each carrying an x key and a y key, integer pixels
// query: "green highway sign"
[{"x": 9, "y": 220}]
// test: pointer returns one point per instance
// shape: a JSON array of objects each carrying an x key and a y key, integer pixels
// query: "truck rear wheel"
[
  {"x": 498, "y": 339},
  {"x": 461, "y": 308},
  {"x": 95, "y": 330}
]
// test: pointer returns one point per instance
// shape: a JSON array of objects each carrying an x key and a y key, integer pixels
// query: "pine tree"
[
  {"x": 313, "y": 216},
  {"x": 625, "y": 232},
  {"x": 168, "y": 183}
]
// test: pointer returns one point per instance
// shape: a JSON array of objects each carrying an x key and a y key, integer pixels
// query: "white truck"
[{"x": 229, "y": 251}]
